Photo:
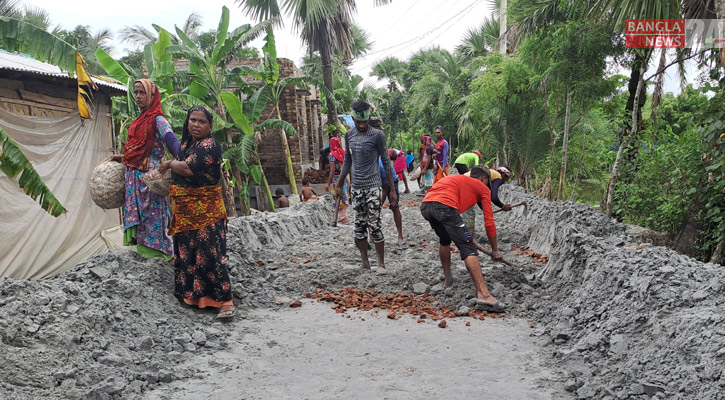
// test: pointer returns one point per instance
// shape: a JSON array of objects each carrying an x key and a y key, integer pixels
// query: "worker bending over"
[{"x": 442, "y": 206}]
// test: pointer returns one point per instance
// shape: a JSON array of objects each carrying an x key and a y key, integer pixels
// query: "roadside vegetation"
[{"x": 573, "y": 112}]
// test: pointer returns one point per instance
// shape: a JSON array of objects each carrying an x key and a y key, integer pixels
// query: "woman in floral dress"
[{"x": 199, "y": 218}]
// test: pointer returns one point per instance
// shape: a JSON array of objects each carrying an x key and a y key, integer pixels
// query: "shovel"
[
  {"x": 523, "y": 203},
  {"x": 483, "y": 250},
  {"x": 337, "y": 209}
]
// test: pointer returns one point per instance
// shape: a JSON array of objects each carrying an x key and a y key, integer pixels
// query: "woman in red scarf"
[
  {"x": 145, "y": 214},
  {"x": 337, "y": 157}
]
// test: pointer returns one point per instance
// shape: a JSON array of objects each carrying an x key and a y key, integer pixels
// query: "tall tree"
[
  {"x": 389, "y": 69},
  {"x": 140, "y": 36}
]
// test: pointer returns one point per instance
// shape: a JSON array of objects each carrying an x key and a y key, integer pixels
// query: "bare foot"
[{"x": 365, "y": 263}]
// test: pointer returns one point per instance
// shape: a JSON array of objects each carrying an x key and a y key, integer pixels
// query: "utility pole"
[{"x": 502, "y": 42}]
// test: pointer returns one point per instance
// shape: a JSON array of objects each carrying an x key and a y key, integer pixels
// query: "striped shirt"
[{"x": 362, "y": 151}]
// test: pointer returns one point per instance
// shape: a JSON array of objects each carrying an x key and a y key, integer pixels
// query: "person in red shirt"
[{"x": 442, "y": 206}]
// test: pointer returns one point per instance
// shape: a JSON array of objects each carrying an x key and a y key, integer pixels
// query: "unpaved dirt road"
[
  {"x": 313, "y": 353},
  {"x": 614, "y": 318}
]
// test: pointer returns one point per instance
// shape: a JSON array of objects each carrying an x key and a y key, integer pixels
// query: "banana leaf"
[
  {"x": 234, "y": 108},
  {"x": 13, "y": 163},
  {"x": 277, "y": 124},
  {"x": 112, "y": 67}
]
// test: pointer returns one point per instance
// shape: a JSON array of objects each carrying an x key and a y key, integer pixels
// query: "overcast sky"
[{"x": 396, "y": 29}]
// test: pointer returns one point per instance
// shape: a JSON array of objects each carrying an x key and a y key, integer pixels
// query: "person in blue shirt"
[{"x": 394, "y": 204}]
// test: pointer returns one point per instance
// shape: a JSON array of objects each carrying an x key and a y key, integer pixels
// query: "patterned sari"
[{"x": 199, "y": 227}]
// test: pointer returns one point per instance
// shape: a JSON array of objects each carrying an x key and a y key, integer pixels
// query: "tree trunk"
[
  {"x": 245, "y": 206},
  {"x": 228, "y": 193},
  {"x": 288, "y": 157},
  {"x": 502, "y": 42},
  {"x": 607, "y": 206},
  {"x": 265, "y": 185},
  {"x": 720, "y": 12},
  {"x": 579, "y": 168},
  {"x": 546, "y": 188},
  {"x": 564, "y": 144},
  {"x": 505, "y": 141},
  {"x": 327, "y": 79},
  {"x": 235, "y": 171}
]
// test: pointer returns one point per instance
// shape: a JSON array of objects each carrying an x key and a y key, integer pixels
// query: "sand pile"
[
  {"x": 623, "y": 322},
  {"x": 617, "y": 321}
]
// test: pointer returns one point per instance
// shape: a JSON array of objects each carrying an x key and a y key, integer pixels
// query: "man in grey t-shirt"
[{"x": 363, "y": 146}]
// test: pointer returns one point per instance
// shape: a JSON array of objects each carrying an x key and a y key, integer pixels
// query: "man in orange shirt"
[{"x": 442, "y": 206}]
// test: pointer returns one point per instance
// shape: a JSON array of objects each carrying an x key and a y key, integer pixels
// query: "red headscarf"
[
  {"x": 336, "y": 149},
  {"x": 141, "y": 133}
]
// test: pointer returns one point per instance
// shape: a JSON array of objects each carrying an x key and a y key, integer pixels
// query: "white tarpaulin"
[{"x": 64, "y": 151}]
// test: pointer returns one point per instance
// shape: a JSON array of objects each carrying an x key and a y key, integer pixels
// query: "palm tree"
[
  {"x": 388, "y": 68},
  {"x": 480, "y": 41},
  {"x": 140, "y": 36},
  {"x": 9, "y": 8}
]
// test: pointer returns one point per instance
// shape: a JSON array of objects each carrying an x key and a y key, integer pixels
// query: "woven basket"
[
  {"x": 157, "y": 183},
  {"x": 107, "y": 184}
]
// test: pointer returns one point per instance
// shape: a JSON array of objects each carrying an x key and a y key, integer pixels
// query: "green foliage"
[
  {"x": 13, "y": 163},
  {"x": 25, "y": 38}
]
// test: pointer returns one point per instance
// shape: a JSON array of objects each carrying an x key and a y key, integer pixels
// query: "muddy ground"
[{"x": 612, "y": 318}]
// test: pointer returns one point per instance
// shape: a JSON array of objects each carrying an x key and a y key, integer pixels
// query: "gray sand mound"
[{"x": 617, "y": 322}]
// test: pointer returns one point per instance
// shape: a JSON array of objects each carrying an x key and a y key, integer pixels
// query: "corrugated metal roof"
[{"x": 25, "y": 63}]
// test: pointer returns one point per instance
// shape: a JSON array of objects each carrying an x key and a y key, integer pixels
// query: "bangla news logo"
[{"x": 674, "y": 33}]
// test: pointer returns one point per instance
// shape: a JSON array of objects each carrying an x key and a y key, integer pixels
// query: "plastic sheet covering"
[{"x": 64, "y": 151}]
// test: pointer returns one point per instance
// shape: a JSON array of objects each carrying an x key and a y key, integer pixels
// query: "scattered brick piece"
[
  {"x": 468, "y": 323},
  {"x": 531, "y": 325},
  {"x": 306, "y": 260},
  {"x": 295, "y": 303},
  {"x": 420, "y": 321},
  {"x": 259, "y": 263},
  {"x": 294, "y": 261},
  {"x": 442, "y": 324},
  {"x": 537, "y": 257},
  {"x": 419, "y": 307}
]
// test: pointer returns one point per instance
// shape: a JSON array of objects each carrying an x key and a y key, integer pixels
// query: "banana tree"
[
  {"x": 208, "y": 77},
  {"x": 247, "y": 148},
  {"x": 271, "y": 93}
]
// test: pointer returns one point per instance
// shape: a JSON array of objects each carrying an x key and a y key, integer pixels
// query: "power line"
[{"x": 440, "y": 26}]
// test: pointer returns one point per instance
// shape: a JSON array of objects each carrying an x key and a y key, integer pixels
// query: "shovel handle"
[
  {"x": 512, "y": 206},
  {"x": 483, "y": 250},
  {"x": 337, "y": 209}
]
